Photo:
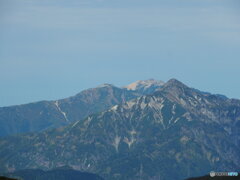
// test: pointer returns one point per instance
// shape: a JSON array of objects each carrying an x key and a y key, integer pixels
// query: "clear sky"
[{"x": 51, "y": 49}]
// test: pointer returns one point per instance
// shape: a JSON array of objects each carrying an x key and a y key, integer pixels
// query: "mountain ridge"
[
  {"x": 54, "y": 174},
  {"x": 161, "y": 135},
  {"x": 42, "y": 115}
]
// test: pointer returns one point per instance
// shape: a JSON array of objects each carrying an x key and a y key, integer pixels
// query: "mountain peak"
[
  {"x": 105, "y": 85},
  {"x": 174, "y": 83},
  {"x": 173, "y": 89},
  {"x": 144, "y": 84}
]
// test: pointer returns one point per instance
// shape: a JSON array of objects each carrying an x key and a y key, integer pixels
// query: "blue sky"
[{"x": 52, "y": 49}]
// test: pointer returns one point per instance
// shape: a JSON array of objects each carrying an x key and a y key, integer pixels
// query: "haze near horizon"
[{"x": 54, "y": 49}]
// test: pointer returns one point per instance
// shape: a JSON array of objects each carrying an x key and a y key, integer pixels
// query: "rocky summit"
[
  {"x": 145, "y": 86},
  {"x": 174, "y": 133}
]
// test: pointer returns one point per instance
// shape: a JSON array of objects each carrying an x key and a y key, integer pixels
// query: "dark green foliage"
[{"x": 6, "y": 178}]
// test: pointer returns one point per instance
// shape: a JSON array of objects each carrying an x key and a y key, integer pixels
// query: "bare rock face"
[{"x": 145, "y": 86}]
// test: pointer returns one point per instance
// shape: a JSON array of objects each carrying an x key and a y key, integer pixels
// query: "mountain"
[
  {"x": 175, "y": 133},
  {"x": 42, "y": 115},
  {"x": 56, "y": 174},
  {"x": 145, "y": 87},
  {"x": 39, "y": 116}
]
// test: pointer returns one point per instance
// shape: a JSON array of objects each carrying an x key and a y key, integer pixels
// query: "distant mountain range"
[
  {"x": 39, "y": 116},
  {"x": 171, "y": 133},
  {"x": 56, "y": 174}
]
